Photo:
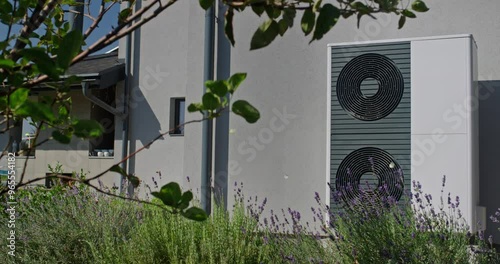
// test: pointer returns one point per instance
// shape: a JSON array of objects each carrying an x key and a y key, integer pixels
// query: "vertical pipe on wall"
[
  {"x": 222, "y": 122},
  {"x": 75, "y": 18},
  {"x": 207, "y": 126},
  {"x": 125, "y": 120}
]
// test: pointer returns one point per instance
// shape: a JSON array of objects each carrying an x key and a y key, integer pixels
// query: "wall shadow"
[{"x": 489, "y": 152}]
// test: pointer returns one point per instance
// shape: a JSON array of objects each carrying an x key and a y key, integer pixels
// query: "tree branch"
[
  {"x": 87, "y": 181},
  {"x": 144, "y": 147},
  {"x": 10, "y": 23},
  {"x": 115, "y": 34},
  {"x": 38, "y": 129},
  {"x": 32, "y": 24},
  {"x": 102, "y": 11}
]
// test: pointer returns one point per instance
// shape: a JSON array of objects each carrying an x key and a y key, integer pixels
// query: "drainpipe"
[
  {"x": 222, "y": 122},
  {"x": 125, "y": 121},
  {"x": 207, "y": 126},
  {"x": 86, "y": 92},
  {"x": 76, "y": 20}
]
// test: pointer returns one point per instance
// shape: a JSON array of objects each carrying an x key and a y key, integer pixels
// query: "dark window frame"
[{"x": 175, "y": 115}]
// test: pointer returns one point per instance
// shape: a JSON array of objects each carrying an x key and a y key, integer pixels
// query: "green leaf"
[
  {"x": 206, "y": 4},
  {"x": 123, "y": 15},
  {"x": 194, "y": 107},
  {"x": 195, "y": 213},
  {"x": 258, "y": 9},
  {"x": 220, "y": 88},
  {"x": 87, "y": 128},
  {"x": 6, "y": 64},
  {"x": 63, "y": 111},
  {"x": 289, "y": 16},
  {"x": 69, "y": 48},
  {"x": 18, "y": 97},
  {"x": 185, "y": 199},
  {"x": 131, "y": 178},
  {"x": 347, "y": 14},
  {"x": 170, "y": 194},
  {"x": 283, "y": 26},
  {"x": 359, "y": 16},
  {"x": 401, "y": 22},
  {"x": 228, "y": 26},
  {"x": 38, "y": 111},
  {"x": 5, "y": 7},
  {"x": 210, "y": 101},
  {"x": 360, "y": 7},
  {"x": 317, "y": 5},
  {"x": 307, "y": 22},
  {"x": 408, "y": 13},
  {"x": 264, "y": 35},
  {"x": 60, "y": 137},
  {"x": 419, "y": 6},
  {"x": 42, "y": 61},
  {"x": 246, "y": 110},
  {"x": 3, "y": 102},
  {"x": 327, "y": 18},
  {"x": 235, "y": 80},
  {"x": 272, "y": 12},
  {"x": 16, "y": 79}
]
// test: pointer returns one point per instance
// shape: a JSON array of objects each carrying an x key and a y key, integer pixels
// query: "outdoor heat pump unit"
[{"x": 401, "y": 111}]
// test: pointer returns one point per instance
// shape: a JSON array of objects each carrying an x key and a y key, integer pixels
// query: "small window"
[
  {"x": 104, "y": 145},
  {"x": 22, "y": 137},
  {"x": 177, "y": 109}
]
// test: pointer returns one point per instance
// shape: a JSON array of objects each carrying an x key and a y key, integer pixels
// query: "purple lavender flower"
[{"x": 494, "y": 219}]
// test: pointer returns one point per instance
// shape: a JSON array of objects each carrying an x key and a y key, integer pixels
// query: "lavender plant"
[{"x": 411, "y": 231}]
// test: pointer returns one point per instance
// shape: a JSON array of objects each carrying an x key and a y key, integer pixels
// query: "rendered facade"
[{"x": 284, "y": 156}]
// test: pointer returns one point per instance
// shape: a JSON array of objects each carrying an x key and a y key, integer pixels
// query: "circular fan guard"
[
  {"x": 374, "y": 161},
  {"x": 384, "y": 101}
]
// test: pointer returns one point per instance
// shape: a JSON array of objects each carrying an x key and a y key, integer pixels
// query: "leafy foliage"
[
  {"x": 218, "y": 96},
  {"x": 172, "y": 196},
  {"x": 40, "y": 46},
  {"x": 318, "y": 16}
]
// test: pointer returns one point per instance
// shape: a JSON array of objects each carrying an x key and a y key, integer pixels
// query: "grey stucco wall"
[
  {"x": 167, "y": 62},
  {"x": 291, "y": 74},
  {"x": 283, "y": 156}
]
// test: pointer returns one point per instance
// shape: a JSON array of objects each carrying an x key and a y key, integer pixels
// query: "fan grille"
[
  {"x": 384, "y": 101},
  {"x": 373, "y": 161}
]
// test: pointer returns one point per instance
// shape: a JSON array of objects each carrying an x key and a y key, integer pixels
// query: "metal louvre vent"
[
  {"x": 386, "y": 175},
  {"x": 384, "y": 100}
]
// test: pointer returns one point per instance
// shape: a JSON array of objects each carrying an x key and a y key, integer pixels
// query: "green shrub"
[{"x": 72, "y": 225}]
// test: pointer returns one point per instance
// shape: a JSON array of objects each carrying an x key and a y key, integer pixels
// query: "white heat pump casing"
[{"x": 444, "y": 120}]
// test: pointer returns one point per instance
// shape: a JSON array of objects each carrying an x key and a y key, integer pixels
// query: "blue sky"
[
  {"x": 109, "y": 20},
  {"x": 105, "y": 26}
]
